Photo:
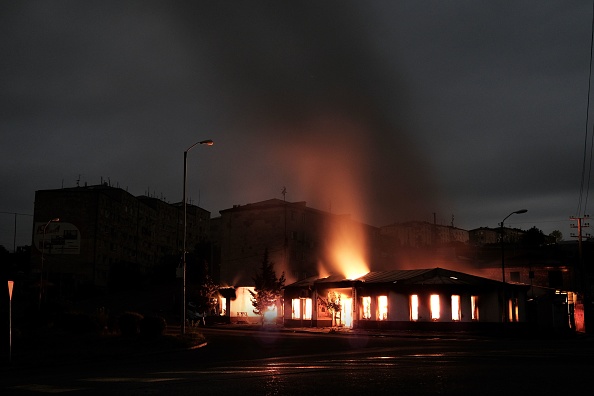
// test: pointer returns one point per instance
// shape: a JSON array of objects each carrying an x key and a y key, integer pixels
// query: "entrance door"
[{"x": 347, "y": 311}]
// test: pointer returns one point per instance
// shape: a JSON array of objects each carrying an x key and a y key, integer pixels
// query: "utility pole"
[
  {"x": 582, "y": 280},
  {"x": 285, "y": 241},
  {"x": 15, "y": 227}
]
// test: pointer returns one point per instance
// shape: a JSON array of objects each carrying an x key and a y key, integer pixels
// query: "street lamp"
[
  {"x": 55, "y": 220},
  {"x": 504, "y": 313},
  {"x": 207, "y": 143}
]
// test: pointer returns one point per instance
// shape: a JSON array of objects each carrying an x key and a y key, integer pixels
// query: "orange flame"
[{"x": 347, "y": 249}]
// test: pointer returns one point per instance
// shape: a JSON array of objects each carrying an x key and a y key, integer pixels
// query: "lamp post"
[
  {"x": 207, "y": 143},
  {"x": 503, "y": 307},
  {"x": 55, "y": 220}
]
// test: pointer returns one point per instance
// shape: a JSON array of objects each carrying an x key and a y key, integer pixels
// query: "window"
[
  {"x": 296, "y": 311},
  {"x": 414, "y": 307},
  {"x": 366, "y": 304},
  {"x": 435, "y": 307},
  {"x": 556, "y": 279},
  {"x": 308, "y": 309},
  {"x": 474, "y": 307},
  {"x": 382, "y": 304},
  {"x": 299, "y": 306},
  {"x": 514, "y": 276},
  {"x": 223, "y": 306},
  {"x": 456, "y": 313},
  {"x": 513, "y": 310}
]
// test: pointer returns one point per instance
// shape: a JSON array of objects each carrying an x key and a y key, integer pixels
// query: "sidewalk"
[
  {"x": 344, "y": 331},
  {"x": 426, "y": 334}
]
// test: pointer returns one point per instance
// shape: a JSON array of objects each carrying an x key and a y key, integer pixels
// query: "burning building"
[{"x": 436, "y": 298}]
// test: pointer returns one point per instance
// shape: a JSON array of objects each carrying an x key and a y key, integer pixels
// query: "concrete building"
[
  {"x": 417, "y": 234},
  {"x": 104, "y": 229},
  {"x": 299, "y": 239},
  {"x": 485, "y": 235}
]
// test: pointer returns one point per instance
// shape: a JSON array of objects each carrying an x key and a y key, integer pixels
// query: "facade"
[
  {"x": 102, "y": 229},
  {"x": 418, "y": 234},
  {"x": 485, "y": 236},
  {"x": 407, "y": 299},
  {"x": 298, "y": 239}
]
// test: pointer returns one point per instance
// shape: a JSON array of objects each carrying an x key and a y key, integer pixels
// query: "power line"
[{"x": 585, "y": 156}]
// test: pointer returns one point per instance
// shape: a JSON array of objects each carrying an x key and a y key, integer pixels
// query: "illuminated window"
[
  {"x": 308, "y": 309},
  {"x": 382, "y": 304},
  {"x": 434, "y": 307},
  {"x": 366, "y": 303},
  {"x": 456, "y": 314},
  {"x": 296, "y": 305},
  {"x": 474, "y": 307},
  {"x": 223, "y": 306},
  {"x": 301, "y": 305},
  {"x": 414, "y": 307},
  {"x": 513, "y": 310}
]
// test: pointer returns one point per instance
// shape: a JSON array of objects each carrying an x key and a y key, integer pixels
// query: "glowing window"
[
  {"x": 513, "y": 310},
  {"x": 296, "y": 305},
  {"x": 414, "y": 307},
  {"x": 456, "y": 314},
  {"x": 308, "y": 309},
  {"x": 223, "y": 306},
  {"x": 474, "y": 307},
  {"x": 434, "y": 307},
  {"x": 366, "y": 303},
  {"x": 382, "y": 304}
]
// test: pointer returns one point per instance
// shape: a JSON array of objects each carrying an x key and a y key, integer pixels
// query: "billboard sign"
[{"x": 60, "y": 238}]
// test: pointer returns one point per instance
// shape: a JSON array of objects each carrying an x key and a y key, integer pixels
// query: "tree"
[
  {"x": 556, "y": 235},
  {"x": 268, "y": 288},
  {"x": 333, "y": 305},
  {"x": 208, "y": 291},
  {"x": 534, "y": 237}
]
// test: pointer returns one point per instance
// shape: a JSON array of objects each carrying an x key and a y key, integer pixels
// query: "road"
[{"x": 301, "y": 363}]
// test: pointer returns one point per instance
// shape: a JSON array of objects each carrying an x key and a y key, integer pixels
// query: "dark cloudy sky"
[{"x": 387, "y": 110}]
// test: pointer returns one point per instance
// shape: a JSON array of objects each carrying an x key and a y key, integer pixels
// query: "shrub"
[
  {"x": 152, "y": 326},
  {"x": 129, "y": 323}
]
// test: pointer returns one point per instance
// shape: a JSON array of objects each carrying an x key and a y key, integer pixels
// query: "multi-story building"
[
  {"x": 102, "y": 229},
  {"x": 417, "y": 234},
  {"x": 300, "y": 241},
  {"x": 485, "y": 235}
]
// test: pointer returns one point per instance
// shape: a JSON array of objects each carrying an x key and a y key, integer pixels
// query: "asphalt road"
[{"x": 286, "y": 363}]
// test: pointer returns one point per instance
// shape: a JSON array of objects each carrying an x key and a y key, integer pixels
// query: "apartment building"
[
  {"x": 299, "y": 239},
  {"x": 82, "y": 234},
  {"x": 418, "y": 234}
]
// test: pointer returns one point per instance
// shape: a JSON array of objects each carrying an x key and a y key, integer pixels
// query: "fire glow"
[{"x": 347, "y": 249}]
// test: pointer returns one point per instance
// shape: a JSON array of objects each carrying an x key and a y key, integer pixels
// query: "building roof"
[{"x": 429, "y": 276}]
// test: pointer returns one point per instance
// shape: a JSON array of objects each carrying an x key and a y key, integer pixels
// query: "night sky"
[{"x": 385, "y": 110}]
